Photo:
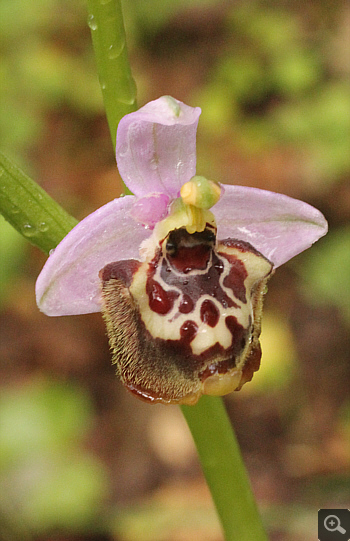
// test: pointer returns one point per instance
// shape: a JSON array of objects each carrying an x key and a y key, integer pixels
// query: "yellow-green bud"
[{"x": 200, "y": 192}]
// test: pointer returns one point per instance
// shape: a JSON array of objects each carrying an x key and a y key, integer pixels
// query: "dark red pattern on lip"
[
  {"x": 239, "y": 333},
  {"x": 194, "y": 286},
  {"x": 209, "y": 313},
  {"x": 188, "y": 331},
  {"x": 191, "y": 258},
  {"x": 186, "y": 305},
  {"x": 120, "y": 270},
  {"x": 178, "y": 272},
  {"x": 236, "y": 277},
  {"x": 222, "y": 367},
  {"x": 160, "y": 301}
]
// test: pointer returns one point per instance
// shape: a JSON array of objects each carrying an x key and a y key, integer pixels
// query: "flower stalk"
[
  {"x": 118, "y": 87},
  {"x": 224, "y": 469}
]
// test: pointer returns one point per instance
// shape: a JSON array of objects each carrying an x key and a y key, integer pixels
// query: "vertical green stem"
[
  {"x": 224, "y": 470},
  {"x": 105, "y": 20}
]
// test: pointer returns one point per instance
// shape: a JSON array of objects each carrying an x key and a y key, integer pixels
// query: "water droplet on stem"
[
  {"x": 91, "y": 22},
  {"x": 42, "y": 227},
  {"x": 115, "y": 49},
  {"x": 28, "y": 230}
]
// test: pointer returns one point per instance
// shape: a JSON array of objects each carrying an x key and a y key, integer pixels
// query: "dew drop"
[
  {"x": 91, "y": 22},
  {"x": 102, "y": 83},
  {"x": 42, "y": 227},
  {"x": 180, "y": 166},
  {"x": 28, "y": 230},
  {"x": 115, "y": 49},
  {"x": 129, "y": 96},
  {"x": 127, "y": 101}
]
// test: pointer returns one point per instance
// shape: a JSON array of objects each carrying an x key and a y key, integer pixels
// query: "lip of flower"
[{"x": 156, "y": 159}]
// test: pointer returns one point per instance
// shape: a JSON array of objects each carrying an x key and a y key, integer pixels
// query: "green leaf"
[{"x": 30, "y": 210}]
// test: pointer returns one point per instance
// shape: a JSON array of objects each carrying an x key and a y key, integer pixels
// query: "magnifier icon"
[{"x": 332, "y": 524}]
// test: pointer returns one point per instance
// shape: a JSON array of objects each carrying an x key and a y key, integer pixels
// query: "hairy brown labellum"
[{"x": 187, "y": 321}]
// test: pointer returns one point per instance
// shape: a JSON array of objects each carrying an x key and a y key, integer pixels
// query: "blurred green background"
[{"x": 80, "y": 459}]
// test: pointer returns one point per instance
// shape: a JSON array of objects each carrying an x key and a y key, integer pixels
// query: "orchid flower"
[{"x": 179, "y": 269}]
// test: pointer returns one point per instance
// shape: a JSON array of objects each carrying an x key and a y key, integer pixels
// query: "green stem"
[
  {"x": 224, "y": 470},
  {"x": 30, "y": 210},
  {"x": 105, "y": 20}
]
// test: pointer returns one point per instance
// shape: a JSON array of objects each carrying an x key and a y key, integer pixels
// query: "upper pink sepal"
[
  {"x": 69, "y": 282},
  {"x": 156, "y": 147},
  {"x": 278, "y": 226}
]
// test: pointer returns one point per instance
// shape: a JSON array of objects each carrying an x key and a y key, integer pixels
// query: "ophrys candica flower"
[{"x": 180, "y": 268}]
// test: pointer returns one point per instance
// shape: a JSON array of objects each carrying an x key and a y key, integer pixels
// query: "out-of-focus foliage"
[
  {"x": 275, "y": 82},
  {"x": 45, "y": 473},
  {"x": 46, "y": 62},
  {"x": 275, "y": 86},
  {"x": 344, "y": 421},
  {"x": 327, "y": 271},
  {"x": 170, "y": 519},
  {"x": 150, "y": 16},
  {"x": 278, "y": 362}
]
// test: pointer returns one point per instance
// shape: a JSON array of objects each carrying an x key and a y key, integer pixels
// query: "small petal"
[
  {"x": 150, "y": 209},
  {"x": 156, "y": 147},
  {"x": 278, "y": 226},
  {"x": 69, "y": 282}
]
